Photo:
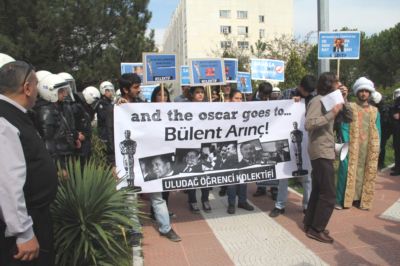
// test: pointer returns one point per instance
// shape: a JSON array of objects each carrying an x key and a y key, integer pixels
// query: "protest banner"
[
  {"x": 172, "y": 146},
  {"x": 244, "y": 82},
  {"x": 207, "y": 72},
  {"x": 267, "y": 69},
  {"x": 159, "y": 68},
  {"x": 132, "y": 68},
  {"x": 185, "y": 76},
  {"x": 339, "y": 45},
  {"x": 231, "y": 70}
]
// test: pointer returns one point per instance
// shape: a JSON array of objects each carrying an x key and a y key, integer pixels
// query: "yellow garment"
[{"x": 371, "y": 162}]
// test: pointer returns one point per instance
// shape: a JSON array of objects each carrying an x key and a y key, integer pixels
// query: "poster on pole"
[
  {"x": 268, "y": 69},
  {"x": 159, "y": 67},
  {"x": 133, "y": 68},
  {"x": 147, "y": 90},
  {"x": 185, "y": 76},
  {"x": 244, "y": 82},
  {"x": 339, "y": 45},
  {"x": 207, "y": 71},
  {"x": 173, "y": 146},
  {"x": 231, "y": 70}
]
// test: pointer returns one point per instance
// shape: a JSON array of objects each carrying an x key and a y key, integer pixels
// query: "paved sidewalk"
[{"x": 253, "y": 238}]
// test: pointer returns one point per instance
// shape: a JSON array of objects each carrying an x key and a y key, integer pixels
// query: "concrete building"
[{"x": 203, "y": 28}]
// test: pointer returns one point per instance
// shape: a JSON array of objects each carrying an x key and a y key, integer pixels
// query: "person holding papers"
[{"x": 321, "y": 149}]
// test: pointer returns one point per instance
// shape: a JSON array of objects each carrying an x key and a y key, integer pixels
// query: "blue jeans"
[
  {"x": 283, "y": 192},
  {"x": 240, "y": 190},
  {"x": 161, "y": 212}
]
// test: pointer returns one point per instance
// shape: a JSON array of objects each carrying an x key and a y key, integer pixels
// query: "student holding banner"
[
  {"x": 197, "y": 94},
  {"x": 129, "y": 84},
  {"x": 305, "y": 90},
  {"x": 264, "y": 94},
  {"x": 240, "y": 189}
]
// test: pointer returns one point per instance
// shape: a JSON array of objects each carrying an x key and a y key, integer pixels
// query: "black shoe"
[
  {"x": 319, "y": 236},
  {"x": 171, "y": 235},
  {"x": 222, "y": 191},
  {"x": 172, "y": 215},
  {"x": 206, "y": 206},
  {"x": 306, "y": 228},
  {"x": 276, "y": 212},
  {"x": 231, "y": 209},
  {"x": 260, "y": 192},
  {"x": 356, "y": 203},
  {"x": 246, "y": 206},
  {"x": 194, "y": 208}
]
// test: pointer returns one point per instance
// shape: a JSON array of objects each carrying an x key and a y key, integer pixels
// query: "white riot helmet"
[
  {"x": 70, "y": 79},
  {"x": 376, "y": 97},
  {"x": 106, "y": 85},
  {"x": 42, "y": 74},
  {"x": 5, "y": 59},
  {"x": 396, "y": 94},
  {"x": 50, "y": 85},
  {"x": 91, "y": 94}
]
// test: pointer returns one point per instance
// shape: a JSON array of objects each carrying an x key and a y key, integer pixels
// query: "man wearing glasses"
[{"x": 28, "y": 176}]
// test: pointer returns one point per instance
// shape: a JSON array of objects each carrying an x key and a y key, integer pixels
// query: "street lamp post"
[{"x": 323, "y": 25}]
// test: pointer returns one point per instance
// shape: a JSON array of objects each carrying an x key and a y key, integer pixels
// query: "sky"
[{"x": 370, "y": 16}]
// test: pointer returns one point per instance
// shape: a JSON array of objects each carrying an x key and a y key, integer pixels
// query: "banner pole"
[
  {"x": 162, "y": 92},
  {"x": 221, "y": 94},
  {"x": 209, "y": 93},
  {"x": 338, "y": 68}
]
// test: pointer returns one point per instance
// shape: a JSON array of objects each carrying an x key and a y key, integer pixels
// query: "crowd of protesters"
[{"x": 63, "y": 117}]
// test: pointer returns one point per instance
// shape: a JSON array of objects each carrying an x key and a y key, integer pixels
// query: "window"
[
  {"x": 243, "y": 30},
  {"x": 242, "y": 14},
  {"x": 243, "y": 45},
  {"x": 261, "y": 19},
  {"x": 224, "y": 13},
  {"x": 226, "y": 44},
  {"x": 225, "y": 29},
  {"x": 262, "y": 33}
]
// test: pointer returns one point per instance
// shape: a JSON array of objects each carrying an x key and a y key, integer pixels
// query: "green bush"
[{"x": 91, "y": 217}]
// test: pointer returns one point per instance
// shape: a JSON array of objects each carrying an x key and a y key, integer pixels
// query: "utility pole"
[{"x": 323, "y": 25}]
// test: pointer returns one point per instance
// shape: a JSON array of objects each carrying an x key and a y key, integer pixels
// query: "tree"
[
  {"x": 294, "y": 71},
  {"x": 88, "y": 39},
  {"x": 381, "y": 57}
]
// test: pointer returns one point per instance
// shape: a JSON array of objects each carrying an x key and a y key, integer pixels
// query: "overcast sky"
[{"x": 370, "y": 16}]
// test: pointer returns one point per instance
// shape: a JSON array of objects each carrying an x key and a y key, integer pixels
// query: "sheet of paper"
[{"x": 332, "y": 99}]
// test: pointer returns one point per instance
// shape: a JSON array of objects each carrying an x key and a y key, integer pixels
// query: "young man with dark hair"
[
  {"x": 28, "y": 175},
  {"x": 305, "y": 91},
  {"x": 321, "y": 149},
  {"x": 264, "y": 94}
]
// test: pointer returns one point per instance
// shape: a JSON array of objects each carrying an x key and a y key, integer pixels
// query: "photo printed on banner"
[
  {"x": 250, "y": 153},
  {"x": 276, "y": 151},
  {"x": 220, "y": 155},
  {"x": 188, "y": 161},
  {"x": 157, "y": 167}
]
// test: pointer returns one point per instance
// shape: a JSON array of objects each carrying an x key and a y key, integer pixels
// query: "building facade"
[{"x": 205, "y": 28}]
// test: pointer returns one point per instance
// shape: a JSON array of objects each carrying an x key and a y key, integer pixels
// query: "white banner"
[{"x": 170, "y": 146}]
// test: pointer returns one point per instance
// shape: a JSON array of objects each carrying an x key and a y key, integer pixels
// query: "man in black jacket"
[{"x": 28, "y": 176}]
